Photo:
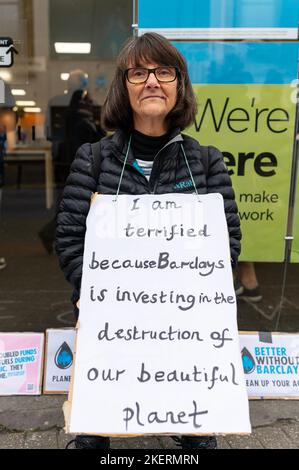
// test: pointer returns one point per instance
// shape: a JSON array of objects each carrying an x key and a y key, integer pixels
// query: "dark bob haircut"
[{"x": 151, "y": 47}]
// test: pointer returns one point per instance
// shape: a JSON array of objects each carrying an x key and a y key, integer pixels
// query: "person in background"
[
  {"x": 80, "y": 128},
  {"x": 149, "y": 103},
  {"x": 77, "y": 80},
  {"x": 56, "y": 116},
  {"x": 3, "y": 139}
]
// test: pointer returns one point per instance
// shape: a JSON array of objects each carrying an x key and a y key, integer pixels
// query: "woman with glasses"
[{"x": 149, "y": 103}]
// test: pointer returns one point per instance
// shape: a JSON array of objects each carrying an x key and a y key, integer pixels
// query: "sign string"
[
  {"x": 123, "y": 169},
  {"x": 125, "y": 161}
]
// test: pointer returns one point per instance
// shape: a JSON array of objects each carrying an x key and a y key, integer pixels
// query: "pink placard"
[{"x": 21, "y": 359}]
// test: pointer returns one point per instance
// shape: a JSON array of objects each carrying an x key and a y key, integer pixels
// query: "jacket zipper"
[{"x": 175, "y": 139}]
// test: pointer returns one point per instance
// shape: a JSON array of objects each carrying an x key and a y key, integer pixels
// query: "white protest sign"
[
  {"x": 271, "y": 364},
  {"x": 58, "y": 359},
  {"x": 157, "y": 345}
]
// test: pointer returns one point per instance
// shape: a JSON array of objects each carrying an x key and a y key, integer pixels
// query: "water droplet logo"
[
  {"x": 64, "y": 356},
  {"x": 248, "y": 361}
]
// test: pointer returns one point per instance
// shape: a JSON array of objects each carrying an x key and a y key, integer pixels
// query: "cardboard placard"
[
  {"x": 21, "y": 362},
  {"x": 58, "y": 360},
  {"x": 157, "y": 345}
]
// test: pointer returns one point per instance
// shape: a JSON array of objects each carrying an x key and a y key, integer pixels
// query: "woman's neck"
[
  {"x": 153, "y": 127},
  {"x": 145, "y": 147}
]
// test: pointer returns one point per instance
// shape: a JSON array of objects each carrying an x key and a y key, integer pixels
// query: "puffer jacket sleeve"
[
  {"x": 71, "y": 219},
  {"x": 218, "y": 181}
]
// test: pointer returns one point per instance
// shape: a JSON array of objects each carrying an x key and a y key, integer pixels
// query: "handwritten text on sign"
[{"x": 157, "y": 348}]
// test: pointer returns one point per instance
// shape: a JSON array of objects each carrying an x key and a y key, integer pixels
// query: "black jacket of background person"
[
  {"x": 80, "y": 127},
  {"x": 169, "y": 175},
  {"x": 80, "y": 123}
]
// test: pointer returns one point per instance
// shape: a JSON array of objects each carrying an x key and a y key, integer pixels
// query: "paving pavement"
[{"x": 37, "y": 423}]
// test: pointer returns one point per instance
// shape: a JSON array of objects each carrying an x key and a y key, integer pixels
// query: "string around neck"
[
  {"x": 123, "y": 169},
  {"x": 190, "y": 172},
  {"x": 125, "y": 161}
]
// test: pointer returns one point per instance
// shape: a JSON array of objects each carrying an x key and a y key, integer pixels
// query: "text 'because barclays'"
[{"x": 163, "y": 261}]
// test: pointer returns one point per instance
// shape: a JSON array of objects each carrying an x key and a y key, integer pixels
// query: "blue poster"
[
  {"x": 218, "y": 14},
  {"x": 241, "y": 62}
]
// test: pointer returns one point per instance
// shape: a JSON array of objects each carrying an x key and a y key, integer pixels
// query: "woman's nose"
[{"x": 152, "y": 81}]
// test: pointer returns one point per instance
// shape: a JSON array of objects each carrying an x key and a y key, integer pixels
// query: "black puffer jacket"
[{"x": 170, "y": 174}]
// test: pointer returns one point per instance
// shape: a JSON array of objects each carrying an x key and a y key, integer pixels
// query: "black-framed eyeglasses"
[{"x": 138, "y": 75}]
